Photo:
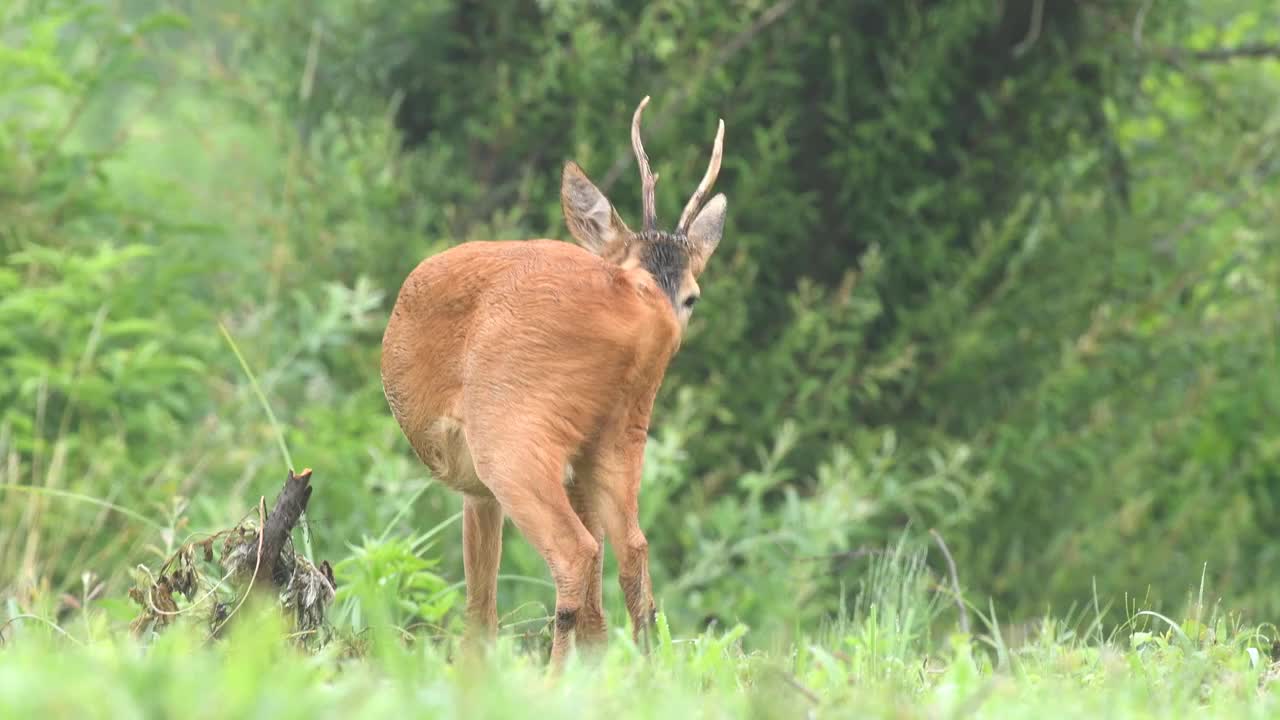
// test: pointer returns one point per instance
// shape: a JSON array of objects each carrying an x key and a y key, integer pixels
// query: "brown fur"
[
  {"x": 500, "y": 414},
  {"x": 523, "y": 374}
]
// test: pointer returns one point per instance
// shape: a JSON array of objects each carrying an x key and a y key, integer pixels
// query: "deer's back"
[{"x": 537, "y": 341}]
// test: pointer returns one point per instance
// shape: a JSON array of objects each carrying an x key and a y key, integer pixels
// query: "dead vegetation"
[{"x": 208, "y": 580}]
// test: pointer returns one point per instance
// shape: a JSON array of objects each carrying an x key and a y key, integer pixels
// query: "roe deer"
[{"x": 523, "y": 373}]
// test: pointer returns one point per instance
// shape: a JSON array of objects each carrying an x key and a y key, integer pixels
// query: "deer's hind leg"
[
  {"x": 528, "y": 482},
  {"x": 481, "y": 555}
]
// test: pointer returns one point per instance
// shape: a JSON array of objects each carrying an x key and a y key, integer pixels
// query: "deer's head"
[{"x": 674, "y": 258}]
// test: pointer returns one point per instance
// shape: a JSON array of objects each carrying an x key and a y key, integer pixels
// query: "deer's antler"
[
  {"x": 713, "y": 170},
  {"x": 647, "y": 179}
]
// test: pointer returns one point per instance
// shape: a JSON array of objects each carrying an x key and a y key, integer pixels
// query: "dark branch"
[
  {"x": 955, "y": 580},
  {"x": 290, "y": 504},
  {"x": 1254, "y": 51},
  {"x": 722, "y": 55},
  {"x": 808, "y": 694},
  {"x": 1033, "y": 32}
]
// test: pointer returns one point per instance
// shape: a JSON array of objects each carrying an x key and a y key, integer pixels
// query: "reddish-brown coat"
[
  {"x": 513, "y": 368},
  {"x": 534, "y": 344}
]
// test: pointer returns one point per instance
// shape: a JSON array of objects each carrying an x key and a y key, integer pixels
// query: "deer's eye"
[{"x": 690, "y": 301}]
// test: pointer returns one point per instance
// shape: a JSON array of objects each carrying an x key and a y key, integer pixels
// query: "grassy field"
[
  {"x": 884, "y": 658},
  {"x": 857, "y": 670}
]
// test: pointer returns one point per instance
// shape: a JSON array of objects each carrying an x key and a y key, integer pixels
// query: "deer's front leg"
[
  {"x": 620, "y": 462},
  {"x": 592, "y": 629}
]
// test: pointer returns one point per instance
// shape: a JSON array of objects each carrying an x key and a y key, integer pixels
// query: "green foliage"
[
  {"x": 392, "y": 581},
  {"x": 874, "y": 663}
]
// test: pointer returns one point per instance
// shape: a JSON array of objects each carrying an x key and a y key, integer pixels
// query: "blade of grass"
[
  {"x": 83, "y": 498},
  {"x": 275, "y": 426},
  {"x": 44, "y": 621},
  {"x": 1172, "y": 625},
  {"x": 422, "y": 539},
  {"x": 404, "y": 510}
]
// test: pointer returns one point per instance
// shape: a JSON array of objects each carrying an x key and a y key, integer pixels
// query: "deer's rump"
[{"x": 488, "y": 340}]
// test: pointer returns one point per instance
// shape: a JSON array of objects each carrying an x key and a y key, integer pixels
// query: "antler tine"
[
  {"x": 713, "y": 170},
  {"x": 647, "y": 179}
]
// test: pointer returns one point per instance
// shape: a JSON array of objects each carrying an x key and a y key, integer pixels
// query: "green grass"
[
  {"x": 856, "y": 670},
  {"x": 891, "y": 653}
]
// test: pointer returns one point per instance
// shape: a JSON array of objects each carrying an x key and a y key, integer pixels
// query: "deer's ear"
[
  {"x": 591, "y": 218},
  {"x": 705, "y": 232}
]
